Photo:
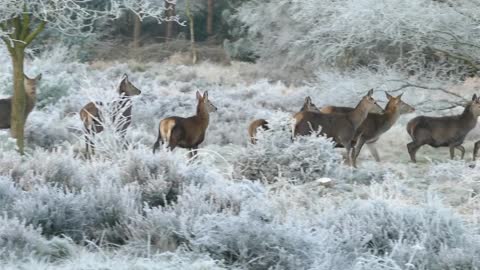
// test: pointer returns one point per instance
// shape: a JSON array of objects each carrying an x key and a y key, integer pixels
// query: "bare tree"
[{"x": 210, "y": 13}]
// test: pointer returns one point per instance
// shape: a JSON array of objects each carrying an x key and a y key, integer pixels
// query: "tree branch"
[
  {"x": 25, "y": 25},
  {"x": 407, "y": 84},
  {"x": 460, "y": 57},
  {"x": 35, "y": 33}
]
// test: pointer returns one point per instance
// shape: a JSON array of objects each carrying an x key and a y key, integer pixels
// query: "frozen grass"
[{"x": 274, "y": 205}]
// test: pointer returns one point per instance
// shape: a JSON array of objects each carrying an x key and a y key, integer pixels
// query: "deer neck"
[
  {"x": 202, "y": 114},
  {"x": 29, "y": 103},
  {"x": 468, "y": 118},
  {"x": 392, "y": 113},
  {"x": 358, "y": 115}
]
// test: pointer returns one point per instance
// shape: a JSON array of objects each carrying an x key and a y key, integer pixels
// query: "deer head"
[
  {"x": 398, "y": 103},
  {"x": 30, "y": 85},
  {"x": 309, "y": 106},
  {"x": 126, "y": 88},
  {"x": 475, "y": 105},
  {"x": 204, "y": 101},
  {"x": 369, "y": 103}
]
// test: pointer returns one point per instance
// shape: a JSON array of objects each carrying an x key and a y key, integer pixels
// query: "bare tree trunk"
[
  {"x": 210, "y": 13},
  {"x": 17, "y": 119},
  {"x": 192, "y": 33},
  {"x": 169, "y": 25},
  {"x": 137, "y": 31}
]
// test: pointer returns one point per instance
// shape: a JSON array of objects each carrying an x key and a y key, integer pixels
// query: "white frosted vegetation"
[{"x": 278, "y": 204}]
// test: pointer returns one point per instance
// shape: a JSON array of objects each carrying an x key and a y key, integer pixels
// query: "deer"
[
  {"x": 30, "y": 86},
  {"x": 186, "y": 132},
  {"x": 308, "y": 105},
  {"x": 476, "y": 147},
  {"x": 376, "y": 123},
  {"x": 445, "y": 131},
  {"x": 339, "y": 126},
  {"x": 93, "y": 121}
]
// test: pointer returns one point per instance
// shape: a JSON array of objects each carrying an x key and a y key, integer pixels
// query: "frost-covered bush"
[
  {"x": 95, "y": 213},
  {"x": 274, "y": 155},
  {"x": 411, "y": 236},
  {"x": 22, "y": 242}
]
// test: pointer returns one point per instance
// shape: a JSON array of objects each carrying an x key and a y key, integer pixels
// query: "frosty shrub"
[
  {"x": 21, "y": 242},
  {"x": 96, "y": 213},
  {"x": 409, "y": 235},
  {"x": 305, "y": 159},
  {"x": 247, "y": 241},
  {"x": 159, "y": 175}
]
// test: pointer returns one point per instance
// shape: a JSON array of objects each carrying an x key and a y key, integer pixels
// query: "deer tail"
[
  {"x": 411, "y": 126},
  {"x": 165, "y": 132}
]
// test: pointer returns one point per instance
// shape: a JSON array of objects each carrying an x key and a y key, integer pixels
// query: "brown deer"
[
  {"x": 92, "y": 118},
  {"x": 186, "y": 132},
  {"x": 377, "y": 124},
  {"x": 339, "y": 126},
  {"x": 308, "y": 106},
  {"x": 446, "y": 131},
  {"x": 30, "y": 86}
]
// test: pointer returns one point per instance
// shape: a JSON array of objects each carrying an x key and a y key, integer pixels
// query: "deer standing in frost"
[
  {"x": 186, "y": 132},
  {"x": 30, "y": 86},
  {"x": 308, "y": 106},
  {"x": 91, "y": 114},
  {"x": 446, "y": 131},
  {"x": 375, "y": 124},
  {"x": 339, "y": 126}
]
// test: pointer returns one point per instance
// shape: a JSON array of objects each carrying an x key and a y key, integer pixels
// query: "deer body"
[
  {"x": 186, "y": 132},
  {"x": 339, "y": 126},
  {"x": 92, "y": 117},
  {"x": 30, "y": 86},
  {"x": 446, "y": 131},
  {"x": 308, "y": 105}
]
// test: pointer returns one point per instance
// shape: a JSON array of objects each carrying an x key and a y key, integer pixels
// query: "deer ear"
[
  {"x": 205, "y": 95},
  {"x": 26, "y": 77},
  {"x": 474, "y": 97},
  {"x": 39, "y": 77},
  {"x": 199, "y": 96},
  {"x": 370, "y": 92},
  {"x": 400, "y": 96},
  {"x": 388, "y": 95},
  {"x": 308, "y": 100}
]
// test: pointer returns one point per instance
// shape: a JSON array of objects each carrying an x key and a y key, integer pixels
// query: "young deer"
[
  {"x": 377, "y": 124},
  {"x": 186, "y": 132},
  {"x": 93, "y": 120},
  {"x": 30, "y": 86},
  {"x": 446, "y": 131},
  {"x": 339, "y": 126},
  {"x": 308, "y": 106}
]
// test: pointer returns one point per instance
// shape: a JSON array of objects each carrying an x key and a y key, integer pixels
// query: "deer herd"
[{"x": 350, "y": 128}]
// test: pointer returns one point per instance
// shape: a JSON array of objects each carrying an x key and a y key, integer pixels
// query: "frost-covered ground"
[{"x": 237, "y": 206}]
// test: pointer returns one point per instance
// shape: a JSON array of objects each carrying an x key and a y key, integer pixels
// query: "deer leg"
[
  {"x": 350, "y": 153},
  {"x": 87, "y": 147},
  {"x": 452, "y": 151},
  {"x": 158, "y": 142},
  {"x": 475, "y": 149},
  {"x": 462, "y": 150},
  {"x": 373, "y": 150},
  {"x": 412, "y": 150},
  {"x": 356, "y": 150}
]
